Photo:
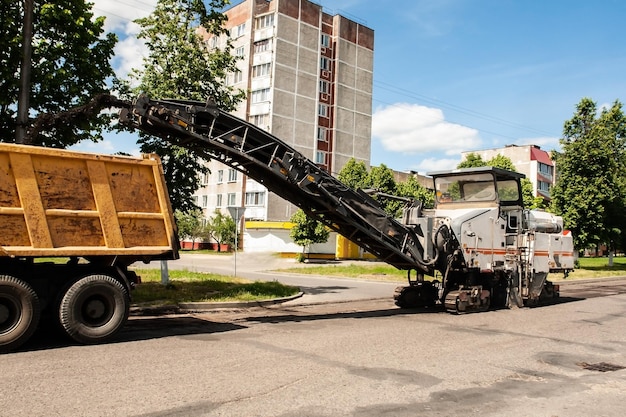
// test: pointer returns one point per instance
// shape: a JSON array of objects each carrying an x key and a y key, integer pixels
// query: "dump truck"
[
  {"x": 98, "y": 214},
  {"x": 477, "y": 249}
]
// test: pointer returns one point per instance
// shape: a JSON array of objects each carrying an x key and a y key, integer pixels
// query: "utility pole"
[{"x": 23, "y": 103}]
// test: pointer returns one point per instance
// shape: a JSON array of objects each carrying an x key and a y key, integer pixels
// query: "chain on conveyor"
[{"x": 213, "y": 134}]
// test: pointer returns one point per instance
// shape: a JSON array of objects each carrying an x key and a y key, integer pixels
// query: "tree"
[
  {"x": 70, "y": 65},
  {"x": 381, "y": 179},
  {"x": 180, "y": 65},
  {"x": 589, "y": 192},
  {"x": 353, "y": 174},
  {"x": 307, "y": 231},
  {"x": 411, "y": 188},
  {"x": 472, "y": 160},
  {"x": 222, "y": 229},
  {"x": 189, "y": 225}
]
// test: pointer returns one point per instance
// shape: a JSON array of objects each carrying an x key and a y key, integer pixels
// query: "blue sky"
[{"x": 461, "y": 75}]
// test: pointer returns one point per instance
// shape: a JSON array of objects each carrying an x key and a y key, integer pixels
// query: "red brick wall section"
[
  {"x": 290, "y": 8},
  {"x": 263, "y": 6},
  {"x": 238, "y": 15},
  {"x": 310, "y": 13},
  {"x": 366, "y": 37}
]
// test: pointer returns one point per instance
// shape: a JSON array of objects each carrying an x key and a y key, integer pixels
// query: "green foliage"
[
  {"x": 180, "y": 65},
  {"x": 502, "y": 162},
  {"x": 472, "y": 160},
  {"x": 307, "y": 231},
  {"x": 70, "y": 65},
  {"x": 353, "y": 174},
  {"x": 190, "y": 225},
  {"x": 411, "y": 188},
  {"x": 381, "y": 179},
  {"x": 222, "y": 228},
  {"x": 591, "y": 186}
]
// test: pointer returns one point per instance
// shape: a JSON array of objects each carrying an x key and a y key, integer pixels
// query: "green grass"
[
  {"x": 599, "y": 268},
  {"x": 376, "y": 271},
  {"x": 185, "y": 286},
  {"x": 589, "y": 268}
]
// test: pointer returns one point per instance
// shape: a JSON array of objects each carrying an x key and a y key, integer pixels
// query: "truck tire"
[
  {"x": 19, "y": 312},
  {"x": 94, "y": 308}
]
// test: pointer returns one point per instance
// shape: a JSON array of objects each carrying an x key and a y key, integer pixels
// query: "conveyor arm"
[{"x": 213, "y": 134}]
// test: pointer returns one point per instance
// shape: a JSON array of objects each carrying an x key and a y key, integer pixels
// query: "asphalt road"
[
  {"x": 353, "y": 358},
  {"x": 267, "y": 267}
]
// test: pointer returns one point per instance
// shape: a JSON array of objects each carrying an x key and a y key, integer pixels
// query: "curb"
[
  {"x": 205, "y": 306},
  {"x": 589, "y": 280}
]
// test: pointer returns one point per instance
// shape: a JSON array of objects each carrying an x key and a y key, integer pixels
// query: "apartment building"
[
  {"x": 309, "y": 76},
  {"x": 531, "y": 161}
]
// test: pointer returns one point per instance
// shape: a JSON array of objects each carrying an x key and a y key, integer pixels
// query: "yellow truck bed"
[{"x": 63, "y": 203}]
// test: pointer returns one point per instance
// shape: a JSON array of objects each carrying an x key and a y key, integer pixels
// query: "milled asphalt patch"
[{"x": 195, "y": 307}]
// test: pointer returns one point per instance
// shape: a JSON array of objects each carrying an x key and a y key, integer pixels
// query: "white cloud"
[
  {"x": 129, "y": 51},
  {"x": 107, "y": 146},
  {"x": 436, "y": 164},
  {"x": 129, "y": 54},
  {"x": 118, "y": 16},
  {"x": 546, "y": 143},
  {"x": 411, "y": 128}
]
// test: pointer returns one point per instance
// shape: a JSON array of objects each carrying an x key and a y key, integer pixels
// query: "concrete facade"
[{"x": 309, "y": 77}]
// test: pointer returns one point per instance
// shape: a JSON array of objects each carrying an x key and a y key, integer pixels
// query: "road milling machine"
[{"x": 478, "y": 248}]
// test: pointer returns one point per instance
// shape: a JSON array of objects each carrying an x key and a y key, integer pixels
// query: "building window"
[
  {"x": 219, "y": 200},
  {"x": 321, "y": 134},
  {"x": 205, "y": 200},
  {"x": 324, "y": 63},
  {"x": 232, "y": 199},
  {"x": 322, "y": 110},
  {"x": 238, "y": 31},
  {"x": 543, "y": 186},
  {"x": 264, "y": 21},
  {"x": 259, "y": 96},
  {"x": 220, "y": 176},
  {"x": 237, "y": 77},
  {"x": 324, "y": 87},
  {"x": 255, "y": 198},
  {"x": 325, "y": 41},
  {"x": 545, "y": 169},
  {"x": 320, "y": 157},
  {"x": 261, "y": 70},
  {"x": 259, "y": 119},
  {"x": 232, "y": 175},
  {"x": 262, "y": 46},
  {"x": 241, "y": 51}
]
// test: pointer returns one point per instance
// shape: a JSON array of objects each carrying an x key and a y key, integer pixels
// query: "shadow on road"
[
  {"x": 155, "y": 327},
  {"x": 136, "y": 329},
  {"x": 322, "y": 290},
  {"x": 303, "y": 316}
]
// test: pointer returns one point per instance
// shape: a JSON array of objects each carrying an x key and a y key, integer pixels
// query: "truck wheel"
[
  {"x": 94, "y": 308},
  {"x": 19, "y": 312}
]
